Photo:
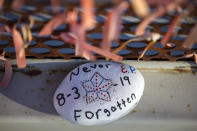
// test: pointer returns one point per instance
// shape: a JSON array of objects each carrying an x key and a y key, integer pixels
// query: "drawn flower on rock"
[{"x": 97, "y": 88}]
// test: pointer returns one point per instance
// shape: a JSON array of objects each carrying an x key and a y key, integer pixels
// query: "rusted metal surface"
[{"x": 43, "y": 47}]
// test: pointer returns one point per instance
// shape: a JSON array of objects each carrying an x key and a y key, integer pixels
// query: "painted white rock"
[{"x": 98, "y": 93}]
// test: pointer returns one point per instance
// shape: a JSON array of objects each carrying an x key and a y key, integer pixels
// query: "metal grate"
[{"x": 46, "y": 47}]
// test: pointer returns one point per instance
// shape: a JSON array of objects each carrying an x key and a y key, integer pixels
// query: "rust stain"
[
  {"x": 188, "y": 105},
  {"x": 182, "y": 70},
  {"x": 134, "y": 111},
  {"x": 171, "y": 96},
  {"x": 189, "y": 108},
  {"x": 48, "y": 81},
  {"x": 28, "y": 112},
  {"x": 54, "y": 71},
  {"x": 42, "y": 89},
  {"x": 41, "y": 105},
  {"x": 30, "y": 71},
  {"x": 153, "y": 111}
]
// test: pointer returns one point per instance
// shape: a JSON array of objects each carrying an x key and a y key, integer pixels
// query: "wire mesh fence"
[{"x": 47, "y": 47}]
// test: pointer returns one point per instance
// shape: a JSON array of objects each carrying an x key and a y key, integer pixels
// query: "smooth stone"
[{"x": 99, "y": 92}]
